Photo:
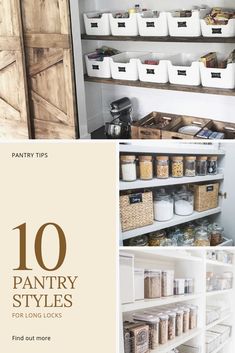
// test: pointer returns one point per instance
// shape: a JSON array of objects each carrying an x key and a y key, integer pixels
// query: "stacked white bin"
[
  {"x": 186, "y": 26},
  {"x": 152, "y": 26},
  {"x": 97, "y": 68},
  {"x": 124, "y": 66},
  {"x": 124, "y": 26},
  {"x": 227, "y": 30},
  {"x": 218, "y": 78},
  {"x": 97, "y": 26},
  {"x": 153, "y": 73},
  {"x": 184, "y": 69}
]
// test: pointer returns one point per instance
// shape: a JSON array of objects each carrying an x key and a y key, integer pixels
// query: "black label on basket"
[
  {"x": 150, "y": 71},
  {"x": 182, "y": 24},
  {"x": 182, "y": 72},
  {"x": 121, "y": 24},
  {"x": 95, "y": 67},
  {"x": 94, "y": 25},
  {"x": 215, "y": 75},
  {"x": 216, "y": 30},
  {"x": 122, "y": 69},
  {"x": 150, "y": 24},
  {"x": 137, "y": 198},
  {"x": 210, "y": 188}
]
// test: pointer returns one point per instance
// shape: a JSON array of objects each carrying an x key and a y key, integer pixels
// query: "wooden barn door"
[
  {"x": 14, "y": 116},
  {"x": 47, "y": 37}
]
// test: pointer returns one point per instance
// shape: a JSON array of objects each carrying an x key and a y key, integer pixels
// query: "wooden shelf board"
[{"x": 162, "y": 86}]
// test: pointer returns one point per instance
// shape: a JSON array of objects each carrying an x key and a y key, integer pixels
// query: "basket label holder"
[{"x": 137, "y": 198}]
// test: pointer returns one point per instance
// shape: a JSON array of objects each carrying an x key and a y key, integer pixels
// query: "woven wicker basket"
[
  {"x": 136, "y": 210},
  {"x": 206, "y": 196}
]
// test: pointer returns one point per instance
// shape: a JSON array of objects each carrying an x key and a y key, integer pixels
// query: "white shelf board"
[
  {"x": 218, "y": 263},
  {"x": 218, "y": 292},
  {"x": 150, "y": 303},
  {"x": 165, "y": 147},
  {"x": 221, "y": 346},
  {"x": 173, "y": 222},
  {"x": 166, "y": 348},
  {"x": 142, "y": 184},
  {"x": 217, "y": 322}
]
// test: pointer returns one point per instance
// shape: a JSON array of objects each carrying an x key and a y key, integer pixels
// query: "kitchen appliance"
[{"x": 120, "y": 127}]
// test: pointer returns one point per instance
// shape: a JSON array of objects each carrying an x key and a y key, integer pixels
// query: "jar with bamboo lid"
[
  {"x": 128, "y": 168},
  {"x": 146, "y": 167},
  {"x": 162, "y": 167},
  {"x": 177, "y": 166},
  {"x": 201, "y": 165},
  {"x": 190, "y": 166},
  {"x": 212, "y": 165}
]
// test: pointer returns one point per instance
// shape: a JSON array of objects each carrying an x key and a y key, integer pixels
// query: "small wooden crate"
[
  {"x": 136, "y": 210},
  {"x": 227, "y": 128},
  {"x": 206, "y": 196}
]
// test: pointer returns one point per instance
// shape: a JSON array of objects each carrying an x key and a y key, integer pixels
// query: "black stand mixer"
[{"x": 120, "y": 127}]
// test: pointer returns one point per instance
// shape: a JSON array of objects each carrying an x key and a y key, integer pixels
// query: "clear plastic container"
[
  {"x": 171, "y": 324},
  {"x": 146, "y": 167},
  {"x": 190, "y": 166},
  {"x": 216, "y": 235},
  {"x": 201, "y": 237},
  {"x": 128, "y": 168},
  {"x": 201, "y": 165},
  {"x": 163, "y": 329},
  {"x": 179, "y": 286},
  {"x": 153, "y": 322},
  {"x": 193, "y": 316},
  {"x": 152, "y": 284},
  {"x": 189, "y": 285},
  {"x": 177, "y": 167},
  {"x": 167, "y": 283},
  {"x": 163, "y": 206},
  {"x": 186, "y": 314},
  {"x": 179, "y": 322},
  {"x": 157, "y": 238},
  {"x": 184, "y": 202},
  {"x": 141, "y": 240},
  {"x": 212, "y": 167},
  {"x": 162, "y": 167}
]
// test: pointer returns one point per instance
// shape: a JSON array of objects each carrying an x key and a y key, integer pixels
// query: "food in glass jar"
[
  {"x": 171, "y": 324},
  {"x": 201, "y": 237},
  {"x": 152, "y": 284},
  {"x": 128, "y": 168},
  {"x": 212, "y": 165},
  {"x": 201, "y": 165},
  {"x": 177, "y": 167},
  {"x": 193, "y": 317},
  {"x": 190, "y": 166},
  {"x": 184, "y": 202},
  {"x": 162, "y": 167},
  {"x": 179, "y": 322},
  {"x": 216, "y": 235},
  {"x": 186, "y": 312},
  {"x": 163, "y": 206},
  {"x": 163, "y": 329},
  {"x": 141, "y": 240},
  {"x": 146, "y": 167},
  {"x": 157, "y": 238},
  {"x": 167, "y": 283}
]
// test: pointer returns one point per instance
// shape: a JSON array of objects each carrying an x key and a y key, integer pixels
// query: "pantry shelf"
[
  {"x": 141, "y": 184},
  {"x": 177, "y": 342},
  {"x": 160, "y": 39},
  {"x": 219, "y": 292},
  {"x": 218, "y": 263},
  {"x": 150, "y": 303},
  {"x": 217, "y": 322},
  {"x": 173, "y": 222},
  {"x": 149, "y": 253},
  {"x": 162, "y": 86},
  {"x": 219, "y": 348}
]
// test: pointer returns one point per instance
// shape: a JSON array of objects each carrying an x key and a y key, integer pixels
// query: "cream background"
[{"x": 74, "y": 187}]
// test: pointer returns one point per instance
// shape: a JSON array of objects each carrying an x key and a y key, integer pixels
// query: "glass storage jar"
[
  {"x": 153, "y": 322},
  {"x": 128, "y": 168},
  {"x": 157, "y": 238},
  {"x": 184, "y": 202},
  {"x": 146, "y": 167},
  {"x": 163, "y": 206},
  {"x": 201, "y": 237},
  {"x": 201, "y": 165},
  {"x": 193, "y": 314},
  {"x": 216, "y": 235},
  {"x": 177, "y": 167},
  {"x": 162, "y": 167},
  {"x": 167, "y": 283},
  {"x": 171, "y": 324},
  {"x": 212, "y": 167},
  {"x": 190, "y": 166},
  {"x": 163, "y": 328},
  {"x": 141, "y": 240},
  {"x": 179, "y": 322},
  {"x": 152, "y": 284}
]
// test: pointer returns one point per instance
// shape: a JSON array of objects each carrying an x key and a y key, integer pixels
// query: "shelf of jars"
[
  {"x": 149, "y": 253},
  {"x": 219, "y": 321},
  {"x": 143, "y": 184},
  {"x": 176, "y": 220}
]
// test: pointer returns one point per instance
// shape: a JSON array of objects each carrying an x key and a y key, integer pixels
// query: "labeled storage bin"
[
  {"x": 97, "y": 23},
  {"x": 206, "y": 196},
  {"x": 97, "y": 68},
  {"x": 127, "y": 278},
  {"x": 153, "y": 68},
  {"x": 219, "y": 78},
  {"x": 184, "y": 69},
  {"x": 227, "y": 30},
  {"x": 136, "y": 210},
  {"x": 124, "y": 66},
  {"x": 124, "y": 26},
  {"x": 152, "y": 24},
  {"x": 186, "y": 26}
]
